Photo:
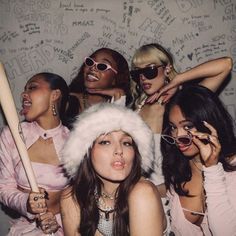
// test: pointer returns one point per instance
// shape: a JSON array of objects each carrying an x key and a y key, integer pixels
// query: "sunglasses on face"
[
  {"x": 183, "y": 139},
  {"x": 149, "y": 72},
  {"x": 88, "y": 61}
]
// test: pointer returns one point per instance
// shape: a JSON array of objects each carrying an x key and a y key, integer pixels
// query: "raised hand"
[{"x": 208, "y": 145}]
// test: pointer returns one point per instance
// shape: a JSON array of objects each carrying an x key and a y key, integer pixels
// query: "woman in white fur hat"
[{"x": 106, "y": 155}]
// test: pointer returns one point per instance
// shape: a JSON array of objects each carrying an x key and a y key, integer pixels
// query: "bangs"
[{"x": 149, "y": 56}]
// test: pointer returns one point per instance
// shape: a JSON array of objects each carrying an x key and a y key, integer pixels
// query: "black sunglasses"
[
  {"x": 99, "y": 66},
  {"x": 149, "y": 72},
  {"x": 184, "y": 139}
]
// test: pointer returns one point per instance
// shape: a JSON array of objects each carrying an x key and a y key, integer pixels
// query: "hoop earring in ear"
[{"x": 54, "y": 110}]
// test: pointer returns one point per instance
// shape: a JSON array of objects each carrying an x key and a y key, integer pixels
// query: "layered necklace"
[
  {"x": 106, "y": 210},
  {"x": 105, "y": 224}
]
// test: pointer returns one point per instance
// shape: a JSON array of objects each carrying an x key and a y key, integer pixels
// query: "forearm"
[
  {"x": 15, "y": 200},
  {"x": 213, "y": 73},
  {"x": 221, "y": 212}
]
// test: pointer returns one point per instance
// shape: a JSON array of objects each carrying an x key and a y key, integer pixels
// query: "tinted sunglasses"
[
  {"x": 183, "y": 139},
  {"x": 99, "y": 66},
  {"x": 149, "y": 72}
]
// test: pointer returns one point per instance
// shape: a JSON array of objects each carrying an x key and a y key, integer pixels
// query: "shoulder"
[{"x": 143, "y": 189}]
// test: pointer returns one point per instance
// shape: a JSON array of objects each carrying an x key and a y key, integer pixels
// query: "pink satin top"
[
  {"x": 12, "y": 174},
  {"x": 220, "y": 216}
]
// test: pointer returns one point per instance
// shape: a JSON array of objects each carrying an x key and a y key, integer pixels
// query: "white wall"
[{"x": 55, "y": 35}]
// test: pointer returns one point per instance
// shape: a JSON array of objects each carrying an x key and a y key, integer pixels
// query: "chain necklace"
[
  {"x": 110, "y": 196},
  {"x": 104, "y": 208}
]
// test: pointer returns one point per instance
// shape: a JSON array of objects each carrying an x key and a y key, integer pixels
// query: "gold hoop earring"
[{"x": 54, "y": 110}]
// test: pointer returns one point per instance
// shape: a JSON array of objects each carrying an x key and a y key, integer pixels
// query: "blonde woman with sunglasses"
[
  {"x": 155, "y": 80},
  {"x": 103, "y": 77}
]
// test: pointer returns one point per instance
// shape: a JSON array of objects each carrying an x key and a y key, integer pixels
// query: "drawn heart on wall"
[{"x": 190, "y": 56}]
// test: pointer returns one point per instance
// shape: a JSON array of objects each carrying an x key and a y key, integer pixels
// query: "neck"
[
  {"x": 196, "y": 165},
  {"x": 48, "y": 123},
  {"x": 91, "y": 99},
  {"x": 109, "y": 188}
]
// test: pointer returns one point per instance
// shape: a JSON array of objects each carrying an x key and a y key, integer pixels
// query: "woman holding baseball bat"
[{"x": 43, "y": 105}]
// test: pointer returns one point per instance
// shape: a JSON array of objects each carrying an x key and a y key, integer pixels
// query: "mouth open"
[
  {"x": 91, "y": 78},
  {"x": 25, "y": 107}
]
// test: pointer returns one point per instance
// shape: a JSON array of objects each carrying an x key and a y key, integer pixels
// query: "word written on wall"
[{"x": 55, "y": 35}]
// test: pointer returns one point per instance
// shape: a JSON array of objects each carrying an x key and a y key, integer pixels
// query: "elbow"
[{"x": 228, "y": 63}]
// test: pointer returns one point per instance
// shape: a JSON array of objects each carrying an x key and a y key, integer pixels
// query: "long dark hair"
[
  {"x": 66, "y": 111},
  {"x": 122, "y": 78},
  {"x": 87, "y": 182},
  {"x": 197, "y": 104}
]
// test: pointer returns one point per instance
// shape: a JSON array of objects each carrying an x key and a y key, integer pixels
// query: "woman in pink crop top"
[
  {"x": 43, "y": 104},
  {"x": 199, "y": 162}
]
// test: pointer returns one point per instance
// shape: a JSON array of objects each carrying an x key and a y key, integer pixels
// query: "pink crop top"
[{"x": 12, "y": 172}]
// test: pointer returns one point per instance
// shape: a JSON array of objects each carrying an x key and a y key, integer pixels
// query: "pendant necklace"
[{"x": 104, "y": 208}]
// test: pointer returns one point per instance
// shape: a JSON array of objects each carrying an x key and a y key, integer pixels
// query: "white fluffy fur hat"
[{"x": 101, "y": 119}]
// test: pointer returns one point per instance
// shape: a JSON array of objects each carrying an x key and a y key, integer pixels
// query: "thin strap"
[{"x": 194, "y": 212}]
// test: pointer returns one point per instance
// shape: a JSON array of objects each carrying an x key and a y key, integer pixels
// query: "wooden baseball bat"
[{"x": 9, "y": 109}]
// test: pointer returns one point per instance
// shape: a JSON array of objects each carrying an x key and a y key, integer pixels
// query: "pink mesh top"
[
  {"x": 220, "y": 216},
  {"x": 12, "y": 172}
]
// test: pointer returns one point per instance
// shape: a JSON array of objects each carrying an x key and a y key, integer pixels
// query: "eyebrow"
[{"x": 181, "y": 122}]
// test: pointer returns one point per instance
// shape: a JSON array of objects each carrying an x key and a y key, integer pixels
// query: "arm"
[
  {"x": 146, "y": 215},
  {"x": 220, "y": 204},
  {"x": 70, "y": 213},
  {"x": 9, "y": 194},
  {"x": 213, "y": 73}
]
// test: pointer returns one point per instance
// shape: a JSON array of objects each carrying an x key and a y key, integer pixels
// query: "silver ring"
[
  {"x": 36, "y": 199},
  {"x": 209, "y": 138}
]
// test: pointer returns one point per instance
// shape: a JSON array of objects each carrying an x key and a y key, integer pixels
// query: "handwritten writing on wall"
[{"x": 52, "y": 35}]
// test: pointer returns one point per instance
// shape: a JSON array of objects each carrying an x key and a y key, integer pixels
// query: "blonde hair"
[{"x": 149, "y": 54}]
